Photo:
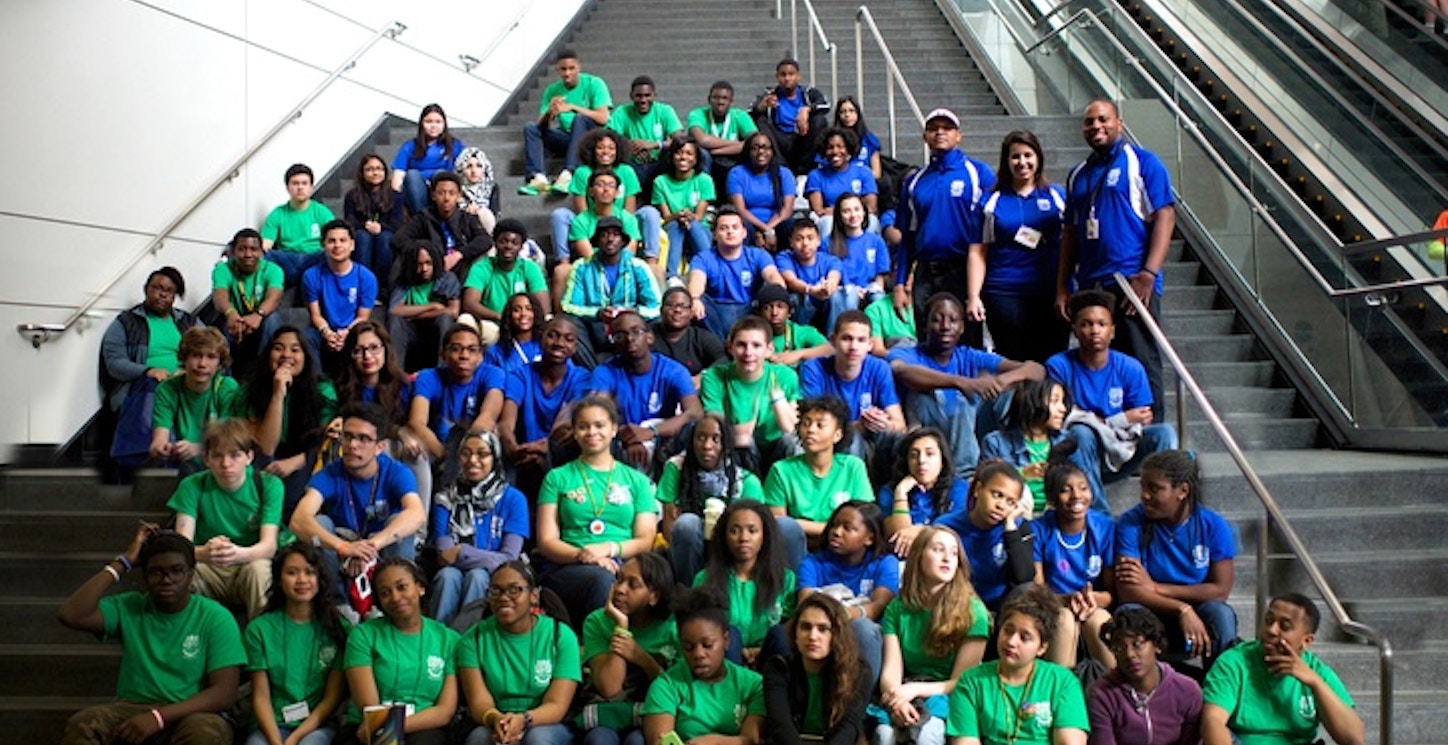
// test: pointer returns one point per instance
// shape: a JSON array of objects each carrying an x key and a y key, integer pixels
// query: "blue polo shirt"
[
  {"x": 340, "y": 296},
  {"x": 939, "y": 210},
  {"x": 986, "y": 552},
  {"x": 866, "y": 258},
  {"x": 758, "y": 189},
  {"x": 451, "y": 402},
  {"x": 1177, "y": 554},
  {"x": 813, "y": 274},
  {"x": 536, "y": 409},
  {"x": 874, "y": 386},
  {"x": 823, "y": 568},
  {"x": 966, "y": 362},
  {"x": 832, "y": 184},
  {"x": 1125, "y": 186},
  {"x": 1118, "y": 386},
  {"x": 363, "y": 505},
  {"x": 657, "y": 394},
  {"x": 1011, "y": 266},
  {"x": 922, "y": 505},
  {"x": 732, "y": 281},
  {"x": 1070, "y": 561},
  {"x": 869, "y": 145}
]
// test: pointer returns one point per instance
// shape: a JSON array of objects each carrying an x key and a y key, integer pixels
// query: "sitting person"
[
  {"x": 757, "y": 397},
  {"x": 924, "y": 488},
  {"x": 1019, "y": 698},
  {"x": 480, "y": 197},
  {"x": 1274, "y": 689},
  {"x": 865, "y": 384},
  {"x": 856, "y": 568},
  {"x": 246, "y": 292},
  {"x": 535, "y": 424},
  {"x": 793, "y": 343},
  {"x": 863, "y": 255},
  {"x": 569, "y": 107},
  {"x": 432, "y": 151},
  {"x": 646, "y": 124},
  {"x": 995, "y": 531},
  {"x": 608, "y": 283},
  {"x": 952, "y": 386},
  {"x": 720, "y": 129},
  {"x": 494, "y": 279},
  {"x": 682, "y": 192},
  {"x": 518, "y": 334},
  {"x": 160, "y": 690},
  {"x": 1142, "y": 700},
  {"x": 602, "y": 149},
  {"x": 339, "y": 294},
  {"x": 375, "y": 374},
  {"x": 1176, "y": 556},
  {"x": 603, "y": 189},
  {"x": 724, "y": 279},
  {"x": 335, "y": 514},
  {"x": 654, "y": 393},
  {"x": 839, "y": 175},
  {"x": 1111, "y": 418},
  {"x": 1075, "y": 553},
  {"x": 374, "y": 210},
  {"x": 628, "y": 644},
  {"x": 186, "y": 403},
  {"x": 792, "y": 115},
  {"x": 461, "y": 394},
  {"x": 292, "y": 233},
  {"x": 677, "y": 337},
  {"x": 819, "y": 691},
  {"x": 233, "y": 514},
  {"x": 696, "y": 486},
  {"x": 1033, "y": 426},
  {"x": 479, "y": 523},
  {"x": 457, "y": 234},
  {"x": 848, "y": 117},
  {"x": 812, "y": 277},
  {"x": 891, "y": 327},
  {"x": 762, "y": 190},
  {"x": 746, "y": 566},
  {"x": 424, "y": 305}
]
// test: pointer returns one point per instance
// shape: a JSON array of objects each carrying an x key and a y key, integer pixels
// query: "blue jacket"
[
  {"x": 939, "y": 212},
  {"x": 587, "y": 291}
]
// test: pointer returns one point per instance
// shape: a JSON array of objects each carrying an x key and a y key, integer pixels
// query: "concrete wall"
[{"x": 120, "y": 112}]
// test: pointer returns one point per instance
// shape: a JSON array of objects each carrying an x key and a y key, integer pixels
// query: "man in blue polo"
[
  {"x": 1120, "y": 213},
  {"x": 939, "y": 216}
]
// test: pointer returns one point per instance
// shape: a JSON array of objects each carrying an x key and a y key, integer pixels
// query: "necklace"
[
  {"x": 596, "y": 526},
  {"x": 1060, "y": 538},
  {"x": 1020, "y": 708}
]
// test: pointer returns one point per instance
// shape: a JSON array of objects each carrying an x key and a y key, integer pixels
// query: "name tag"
[
  {"x": 1093, "y": 229},
  {"x": 296, "y": 712},
  {"x": 1028, "y": 236}
]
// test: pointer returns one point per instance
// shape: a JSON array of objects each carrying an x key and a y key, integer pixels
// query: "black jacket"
[
  {"x": 469, "y": 237},
  {"x": 785, "y": 692}
]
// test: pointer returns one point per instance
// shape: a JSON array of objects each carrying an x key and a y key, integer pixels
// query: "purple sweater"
[{"x": 1170, "y": 716}]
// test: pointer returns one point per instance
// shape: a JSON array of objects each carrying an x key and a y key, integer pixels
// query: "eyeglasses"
[
  {"x": 358, "y": 438},
  {"x": 470, "y": 349},
  {"x": 175, "y": 572},
  {"x": 161, "y": 289},
  {"x": 513, "y": 592},
  {"x": 636, "y": 332},
  {"x": 467, "y": 455},
  {"x": 371, "y": 350},
  {"x": 680, "y": 305}
]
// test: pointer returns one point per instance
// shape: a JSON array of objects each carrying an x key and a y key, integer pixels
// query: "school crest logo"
[
  {"x": 191, "y": 646},
  {"x": 740, "y": 711},
  {"x": 435, "y": 667},
  {"x": 746, "y": 278},
  {"x": 519, "y": 286},
  {"x": 1116, "y": 396},
  {"x": 957, "y": 188},
  {"x": 351, "y": 294},
  {"x": 841, "y": 497},
  {"x": 543, "y": 672},
  {"x": 1043, "y": 205},
  {"x": 1307, "y": 707},
  {"x": 1113, "y": 176},
  {"x": 1093, "y": 567},
  {"x": 325, "y": 655},
  {"x": 655, "y": 403},
  {"x": 869, "y": 256},
  {"x": 618, "y": 494},
  {"x": 856, "y": 186},
  {"x": 998, "y": 554},
  {"x": 1199, "y": 556},
  {"x": 1041, "y": 710},
  {"x": 866, "y": 400}
]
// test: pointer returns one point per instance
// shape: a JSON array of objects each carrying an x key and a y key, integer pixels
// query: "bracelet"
[
  {"x": 776, "y": 400},
  {"x": 114, "y": 573},
  {"x": 1182, "y": 611},
  {"x": 124, "y": 561},
  {"x": 621, "y": 631},
  {"x": 1149, "y": 270},
  {"x": 527, "y": 720},
  {"x": 230, "y": 312},
  {"x": 160, "y": 723},
  {"x": 898, "y": 511}
]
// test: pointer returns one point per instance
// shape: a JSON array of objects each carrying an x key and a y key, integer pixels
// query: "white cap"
[{"x": 943, "y": 113}]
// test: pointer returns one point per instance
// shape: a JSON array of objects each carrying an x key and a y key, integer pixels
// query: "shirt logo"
[
  {"x": 998, "y": 554},
  {"x": 1113, "y": 176},
  {"x": 543, "y": 672},
  {"x": 869, "y": 255},
  {"x": 746, "y": 278},
  {"x": 191, "y": 646},
  {"x": 1116, "y": 396},
  {"x": 866, "y": 400},
  {"x": 658, "y": 130},
  {"x": 739, "y": 713},
  {"x": 325, "y": 655},
  {"x": 1199, "y": 556},
  {"x": 618, "y": 494},
  {"x": 435, "y": 667},
  {"x": 957, "y": 188},
  {"x": 841, "y": 497},
  {"x": 1043, "y": 205},
  {"x": 352, "y": 294},
  {"x": 519, "y": 286},
  {"x": 1307, "y": 707},
  {"x": 856, "y": 186},
  {"x": 1041, "y": 710},
  {"x": 1093, "y": 567},
  {"x": 316, "y": 230},
  {"x": 655, "y": 404}
]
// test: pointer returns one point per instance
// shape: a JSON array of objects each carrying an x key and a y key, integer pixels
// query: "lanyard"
[
  {"x": 1020, "y": 712},
  {"x": 397, "y": 657},
  {"x": 361, "y": 526},
  {"x": 248, "y": 299},
  {"x": 1101, "y": 180},
  {"x": 600, "y": 503}
]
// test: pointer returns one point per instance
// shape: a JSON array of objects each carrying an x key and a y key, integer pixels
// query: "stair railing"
[
  {"x": 893, "y": 76},
  {"x": 816, "y": 30},
  {"x": 40, "y": 333},
  {"x": 1272, "y": 517}
]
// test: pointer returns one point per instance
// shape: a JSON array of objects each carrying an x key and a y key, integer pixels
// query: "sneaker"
[
  {"x": 565, "y": 177},
  {"x": 534, "y": 186},
  {"x": 345, "y": 611}
]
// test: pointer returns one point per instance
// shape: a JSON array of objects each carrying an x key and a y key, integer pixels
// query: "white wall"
[{"x": 120, "y": 112}]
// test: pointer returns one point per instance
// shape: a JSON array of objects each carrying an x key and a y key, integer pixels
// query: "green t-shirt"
[
  {"x": 752, "y": 624},
  {"x": 720, "y": 389},
  {"x": 297, "y": 658},
  {"x": 584, "y": 223},
  {"x": 804, "y": 496},
  {"x": 746, "y": 486},
  {"x": 655, "y": 126},
  {"x": 590, "y": 93},
  {"x": 237, "y": 515},
  {"x": 814, "y": 708},
  {"x": 163, "y": 343},
  {"x": 185, "y": 413},
  {"x": 1037, "y": 452},
  {"x": 660, "y": 638},
  {"x": 628, "y": 185},
  {"x": 496, "y": 285},
  {"x": 911, "y": 626},
  {"x": 408, "y": 668},
  {"x": 701, "y": 708},
  {"x": 165, "y": 657},
  {"x": 1267, "y": 709},
  {"x": 798, "y": 336},
  {"x": 300, "y": 230},
  {"x": 886, "y": 324},
  {"x": 518, "y": 668},
  {"x": 593, "y": 506},
  {"x": 682, "y": 196},
  {"x": 418, "y": 294},
  {"x": 983, "y": 707},
  {"x": 736, "y": 126},
  {"x": 246, "y": 293}
]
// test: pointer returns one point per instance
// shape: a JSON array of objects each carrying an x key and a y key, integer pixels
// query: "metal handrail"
[
  {"x": 863, "y": 17},
  {"x": 1272, "y": 515},
  {"x": 815, "y": 29},
  {"x": 1393, "y": 241},
  {"x": 40, "y": 333}
]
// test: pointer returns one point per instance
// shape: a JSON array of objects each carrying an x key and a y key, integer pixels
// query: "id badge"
[
  {"x": 296, "y": 712},
  {"x": 1028, "y": 236},
  {"x": 1093, "y": 229}
]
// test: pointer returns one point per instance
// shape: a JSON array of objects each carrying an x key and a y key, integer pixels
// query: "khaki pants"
[
  {"x": 246, "y": 585},
  {"x": 96, "y": 725}
]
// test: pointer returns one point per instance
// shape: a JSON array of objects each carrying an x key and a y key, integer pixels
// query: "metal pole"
[
  {"x": 834, "y": 73},
  {"x": 1181, "y": 412},
  {"x": 813, "y": 82},
  {"x": 794, "y": 28},
  {"x": 859, "y": 63},
  {"x": 890, "y": 97}
]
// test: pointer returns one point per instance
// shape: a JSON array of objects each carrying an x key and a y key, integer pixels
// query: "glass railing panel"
[{"x": 1402, "y": 45}]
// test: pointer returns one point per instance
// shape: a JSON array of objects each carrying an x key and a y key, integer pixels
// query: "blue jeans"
[
  {"x": 294, "y": 263},
  {"x": 536, "y": 139},
  {"x": 452, "y": 589},
  {"x": 651, "y": 225},
  {"x": 962, "y": 420},
  {"x": 685, "y": 242},
  {"x": 776, "y": 642},
  {"x": 414, "y": 191},
  {"x": 610, "y": 736},
  {"x": 872, "y": 644},
  {"x": 584, "y": 588},
  {"x": 720, "y": 317},
  {"x": 1154, "y": 438},
  {"x": 796, "y": 546},
  {"x": 319, "y": 736},
  {"x": 542, "y": 734},
  {"x": 375, "y": 253},
  {"x": 559, "y": 222},
  {"x": 686, "y": 547},
  {"x": 404, "y": 548}
]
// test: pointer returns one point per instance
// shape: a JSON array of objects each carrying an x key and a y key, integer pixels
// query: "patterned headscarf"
[{"x": 480, "y": 192}]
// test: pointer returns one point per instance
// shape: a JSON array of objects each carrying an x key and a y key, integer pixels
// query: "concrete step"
[
  {"x": 31, "y": 620},
  {"x": 1214, "y": 374},
  {"x": 1357, "y": 666},
  {"x": 1419, "y": 717},
  {"x": 1255, "y": 434},
  {"x": 1218, "y": 348},
  {"x": 44, "y": 531},
  {"x": 1321, "y": 530},
  {"x": 79, "y": 489},
  {"x": 1407, "y": 622},
  {"x": 1201, "y": 297},
  {"x": 1181, "y": 273},
  {"x": 1239, "y": 402},
  {"x": 44, "y": 573},
  {"x": 1199, "y": 322},
  {"x": 42, "y": 718},
  {"x": 70, "y": 669},
  {"x": 1361, "y": 574},
  {"x": 1323, "y": 479}
]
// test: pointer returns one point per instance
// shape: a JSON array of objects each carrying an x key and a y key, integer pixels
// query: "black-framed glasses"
[{"x": 512, "y": 592}]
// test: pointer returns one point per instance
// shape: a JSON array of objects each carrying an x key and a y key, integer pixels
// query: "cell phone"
[{"x": 671, "y": 738}]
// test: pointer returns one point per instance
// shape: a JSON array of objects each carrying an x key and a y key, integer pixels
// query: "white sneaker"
[
  {"x": 534, "y": 186},
  {"x": 565, "y": 177}
]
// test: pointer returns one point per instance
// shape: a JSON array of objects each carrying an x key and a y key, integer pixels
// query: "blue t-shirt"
[
  {"x": 832, "y": 184},
  {"x": 451, "y": 403},
  {"x": 986, "y": 552},
  {"x": 788, "y": 109},
  {"x": 813, "y": 274},
  {"x": 867, "y": 258},
  {"x": 512, "y": 355},
  {"x": 966, "y": 362},
  {"x": 1016, "y": 262},
  {"x": 922, "y": 505},
  {"x": 657, "y": 394},
  {"x": 342, "y": 296},
  {"x": 363, "y": 505},
  {"x": 1177, "y": 554},
  {"x": 1070, "y": 561},
  {"x": 432, "y": 160},
  {"x": 537, "y": 409},
  {"x": 509, "y": 515},
  {"x": 823, "y": 568},
  {"x": 1118, "y": 386},
  {"x": 1122, "y": 189},
  {"x": 732, "y": 282},
  {"x": 758, "y": 190},
  {"x": 869, "y": 145},
  {"x": 874, "y": 386}
]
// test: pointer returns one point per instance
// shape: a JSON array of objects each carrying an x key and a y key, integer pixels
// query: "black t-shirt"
[{"x": 696, "y": 350}]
